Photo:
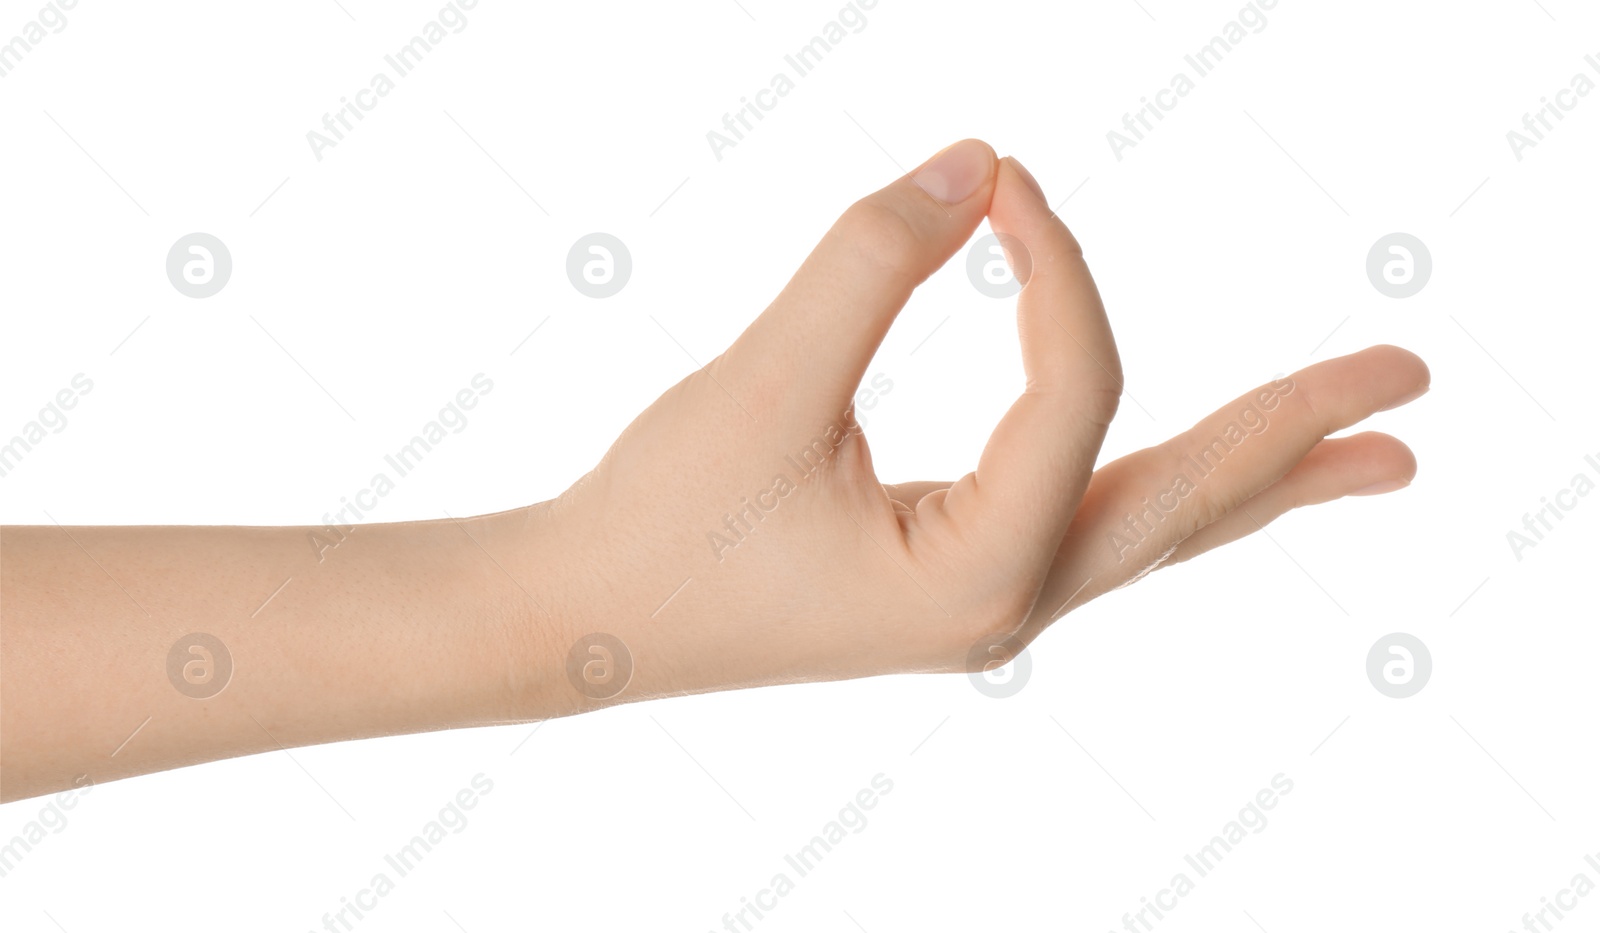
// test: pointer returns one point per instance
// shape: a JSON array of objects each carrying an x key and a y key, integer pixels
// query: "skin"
[{"x": 415, "y": 626}]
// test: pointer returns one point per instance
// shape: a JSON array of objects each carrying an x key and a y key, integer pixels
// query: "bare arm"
[
  {"x": 398, "y": 628},
  {"x": 734, "y": 535}
]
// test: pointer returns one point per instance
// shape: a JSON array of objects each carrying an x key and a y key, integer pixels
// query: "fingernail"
[
  {"x": 1378, "y": 489},
  {"x": 955, "y": 174},
  {"x": 1027, "y": 176}
]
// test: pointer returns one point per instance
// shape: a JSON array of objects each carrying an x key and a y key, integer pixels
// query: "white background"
[{"x": 1230, "y": 245}]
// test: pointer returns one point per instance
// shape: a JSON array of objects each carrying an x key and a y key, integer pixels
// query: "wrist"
[
  {"x": 555, "y": 595},
  {"x": 596, "y": 627}
]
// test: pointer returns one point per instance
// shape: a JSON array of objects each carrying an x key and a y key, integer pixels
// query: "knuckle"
[
  {"x": 881, "y": 234},
  {"x": 997, "y": 614},
  {"x": 1101, "y": 400},
  {"x": 1300, "y": 398}
]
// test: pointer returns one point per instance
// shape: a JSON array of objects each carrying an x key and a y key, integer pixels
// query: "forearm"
[
  {"x": 775, "y": 555},
  {"x": 396, "y": 628}
]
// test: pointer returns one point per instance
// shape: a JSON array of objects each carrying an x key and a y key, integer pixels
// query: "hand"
[
  {"x": 752, "y": 481},
  {"x": 734, "y": 535}
]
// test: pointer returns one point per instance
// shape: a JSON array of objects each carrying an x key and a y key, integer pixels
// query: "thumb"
[{"x": 813, "y": 343}]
